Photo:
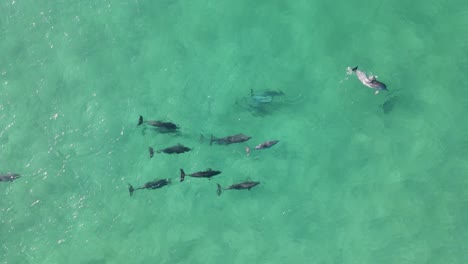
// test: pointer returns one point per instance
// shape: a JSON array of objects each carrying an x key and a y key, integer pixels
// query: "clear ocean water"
[{"x": 356, "y": 177}]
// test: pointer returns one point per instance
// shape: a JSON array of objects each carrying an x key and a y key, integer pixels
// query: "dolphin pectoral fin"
[
  {"x": 182, "y": 175},
  {"x": 151, "y": 152},
  {"x": 140, "y": 120}
]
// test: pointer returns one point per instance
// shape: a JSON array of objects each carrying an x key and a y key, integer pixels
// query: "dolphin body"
[
  {"x": 156, "y": 184},
  {"x": 238, "y": 186},
  {"x": 200, "y": 174},
  {"x": 165, "y": 127},
  {"x": 9, "y": 177},
  {"x": 370, "y": 81},
  {"x": 177, "y": 149},
  {"x": 229, "y": 139}
]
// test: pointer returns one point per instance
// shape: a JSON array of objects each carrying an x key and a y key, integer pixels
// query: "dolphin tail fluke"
[
  {"x": 151, "y": 152},
  {"x": 220, "y": 189},
  {"x": 130, "y": 189},
  {"x": 354, "y": 69},
  {"x": 182, "y": 175},
  {"x": 140, "y": 120},
  {"x": 212, "y": 139}
]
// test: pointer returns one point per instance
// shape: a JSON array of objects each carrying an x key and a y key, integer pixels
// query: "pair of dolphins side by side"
[{"x": 156, "y": 184}]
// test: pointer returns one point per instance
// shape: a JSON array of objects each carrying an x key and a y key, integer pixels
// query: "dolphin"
[
  {"x": 200, "y": 174},
  {"x": 370, "y": 81},
  {"x": 162, "y": 125},
  {"x": 150, "y": 185},
  {"x": 238, "y": 186},
  {"x": 9, "y": 177},
  {"x": 177, "y": 149},
  {"x": 229, "y": 139},
  {"x": 264, "y": 145}
]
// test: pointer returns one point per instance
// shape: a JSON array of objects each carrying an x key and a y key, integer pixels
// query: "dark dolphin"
[
  {"x": 165, "y": 126},
  {"x": 229, "y": 139},
  {"x": 370, "y": 81},
  {"x": 200, "y": 174},
  {"x": 9, "y": 177},
  {"x": 151, "y": 152},
  {"x": 150, "y": 185},
  {"x": 238, "y": 186},
  {"x": 177, "y": 149}
]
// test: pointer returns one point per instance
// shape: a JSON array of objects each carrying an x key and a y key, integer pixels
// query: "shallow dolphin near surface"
[
  {"x": 177, "y": 149},
  {"x": 238, "y": 186},
  {"x": 229, "y": 139},
  {"x": 9, "y": 177},
  {"x": 264, "y": 145},
  {"x": 200, "y": 174},
  {"x": 162, "y": 125},
  {"x": 156, "y": 184},
  {"x": 370, "y": 81}
]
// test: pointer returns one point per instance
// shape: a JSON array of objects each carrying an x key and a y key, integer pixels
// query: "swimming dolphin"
[
  {"x": 264, "y": 145},
  {"x": 165, "y": 126},
  {"x": 200, "y": 174},
  {"x": 264, "y": 97},
  {"x": 238, "y": 186},
  {"x": 177, "y": 149},
  {"x": 9, "y": 177},
  {"x": 229, "y": 139},
  {"x": 150, "y": 185},
  {"x": 370, "y": 81}
]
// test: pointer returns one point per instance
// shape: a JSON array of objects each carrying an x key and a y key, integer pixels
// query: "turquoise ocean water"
[{"x": 355, "y": 178}]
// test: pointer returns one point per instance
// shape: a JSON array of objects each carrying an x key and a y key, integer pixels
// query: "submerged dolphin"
[
  {"x": 370, "y": 81},
  {"x": 264, "y": 97},
  {"x": 238, "y": 186}
]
